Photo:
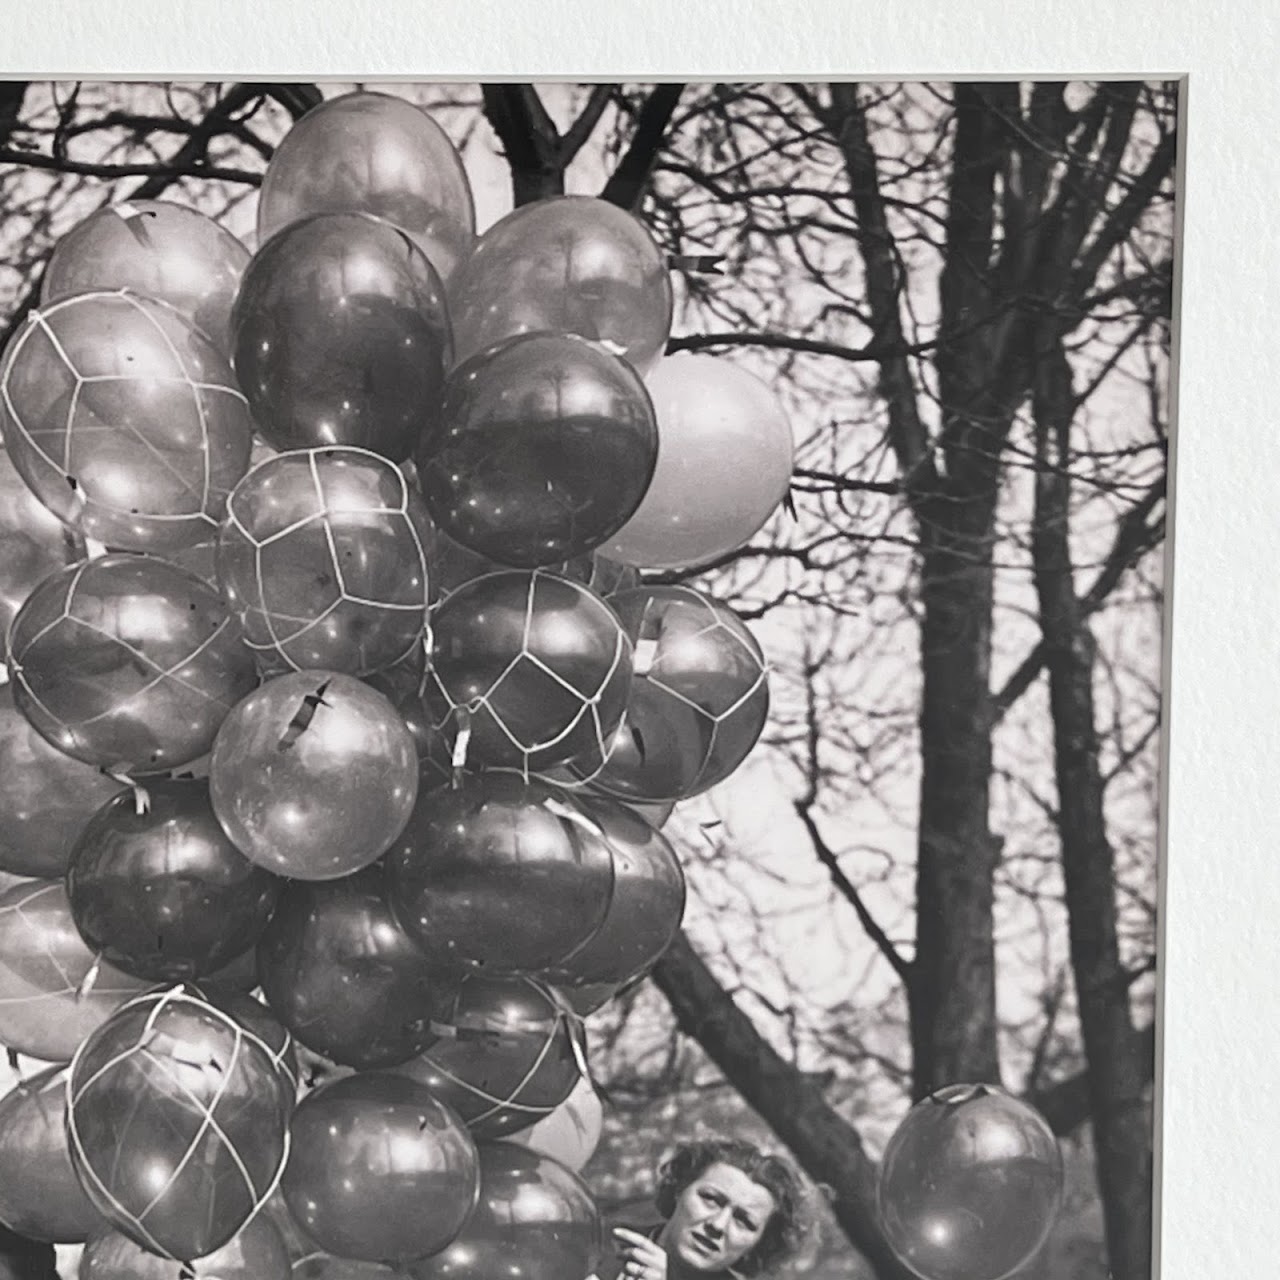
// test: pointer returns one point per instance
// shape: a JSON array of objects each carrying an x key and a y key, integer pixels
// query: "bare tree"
[{"x": 962, "y": 293}]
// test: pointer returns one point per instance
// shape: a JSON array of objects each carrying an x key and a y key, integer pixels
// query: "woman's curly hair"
[{"x": 788, "y": 1227}]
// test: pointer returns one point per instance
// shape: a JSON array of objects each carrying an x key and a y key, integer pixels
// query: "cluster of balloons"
[
  {"x": 340, "y": 725},
  {"x": 338, "y": 717}
]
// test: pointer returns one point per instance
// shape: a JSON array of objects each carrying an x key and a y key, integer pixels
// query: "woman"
[{"x": 728, "y": 1209}]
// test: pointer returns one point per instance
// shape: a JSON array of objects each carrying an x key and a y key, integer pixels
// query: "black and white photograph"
[{"x": 585, "y": 675}]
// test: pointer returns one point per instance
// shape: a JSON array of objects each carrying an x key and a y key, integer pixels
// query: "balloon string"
[
  {"x": 90, "y": 978},
  {"x": 645, "y": 652},
  {"x": 461, "y": 743},
  {"x": 704, "y": 264}
]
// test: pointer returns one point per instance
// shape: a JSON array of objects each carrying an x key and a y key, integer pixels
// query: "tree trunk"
[
  {"x": 953, "y": 1011},
  {"x": 827, "y": 1147},
  {"x": 1117, "y": 1074}
]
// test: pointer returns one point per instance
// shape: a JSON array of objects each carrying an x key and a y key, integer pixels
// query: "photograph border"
[{"x": 1217, "y": 1176}]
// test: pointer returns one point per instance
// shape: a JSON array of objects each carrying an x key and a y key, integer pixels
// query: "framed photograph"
[{"x": 611, "y": 629}]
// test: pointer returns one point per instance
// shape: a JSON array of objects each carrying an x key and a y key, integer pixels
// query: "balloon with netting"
[
  {"x": 698, "y": 702},
  {"x": 127, "y": 662},
  {"x": 323, "y": 558},
  {"x": 159, "y": 249},
  {"x": 528, "y": 669},
  {"x": 124, "y": 419},
  {"x": 175, "y": 1123},
  {"x": 509, "y": 1052},
  {"x": 54, "y": 990}
]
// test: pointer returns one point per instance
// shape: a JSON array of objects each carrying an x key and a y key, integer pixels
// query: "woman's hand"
[{"x": 642, "y": 1259}]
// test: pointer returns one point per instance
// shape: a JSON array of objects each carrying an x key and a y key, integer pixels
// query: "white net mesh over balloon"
[
  {"x": 462, "y": 711},
  {"x": 562, "y": 1019},
  {"x": 207, "y": 1110},
  {"x": 188, "y": 473},
  {"x": 263, "y": 616},
  {"x": 154, "y": 673},
  {"x": 657, "y": 651},
  {"x": 72, "y": 983}
]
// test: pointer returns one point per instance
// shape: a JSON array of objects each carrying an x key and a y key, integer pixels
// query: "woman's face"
[{"x": 718, "y": 1219}]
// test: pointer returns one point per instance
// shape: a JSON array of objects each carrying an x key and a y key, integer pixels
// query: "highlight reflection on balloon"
[
  {"x": 568, "y": 264},
  {"x": 379, "y": 1170},
  {"x": 40, "y": 1195},
  {"x": 313, "y": 775},
  {"x": 128, "y": 663},
  {"x": 46, "y": 798},
  {"x": 373, "y": 153},
  {"x": 341, "y": 972},
  {"x": 341, "y": 336},
  {"x": 698, "y": 702},
  {"x": 533, "y": 667},
  {"x": 124, "y": 419},
  {"x": 323, "y": 559},
  {"x": 500, "y": 872},
  {"x": 257, "y": 1252},
  {"x": 510, "y": 1057},
  {"x": 970, "y": 1184},
  {"x": 714, "y": 419},
  {"x": 164, "y": 894},
  {"x": 175, "y": 1124},
  {"x": 546, "y": 447},
  {"x": 536, "y": 1220},
  {"x": 48, "y": 1001},
  {"x": 161, "y": 250}
]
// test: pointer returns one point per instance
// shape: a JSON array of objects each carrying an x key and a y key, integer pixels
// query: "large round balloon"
[
  {"x": 345, "y": 977},
  {"x": 569, "y": 264},
  {"x": 256, "y": 1252},
  {"x": 571, "y": 1133},
  {"x": 373, "y": 153},
  {"x": 124, "y": 419},
  {"x": 532, "y": 667},
  {"x": 128, "y": 663},
  {"x": 33, "y": 541},
  {"x": 45, "y": 799},
  {"x": 175, "y": 1124},
  {"x": 323, "y": 559},
  {"x": 546, "y": 447},
  {"x": 970, "y": 1184},
  {"x": 53, "y": 990},
  {"x": 510, "y": 1052},
  {"x": 40, "y": 1195},
  {"x": 313, "y": 775},
  {"x": 503, "y": 873},
  {"x": 535, "y": 1220},
  {"x": 379, "y": 1170},
  {"x": 645, "y": 907},
  {"x": 341, "y": 336},
  {"x": 158, "y": 249},
  {"x": 163, "y": 893},
  {"x": 714, "y": 419},
  {"x": 698, "y": 702}
]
